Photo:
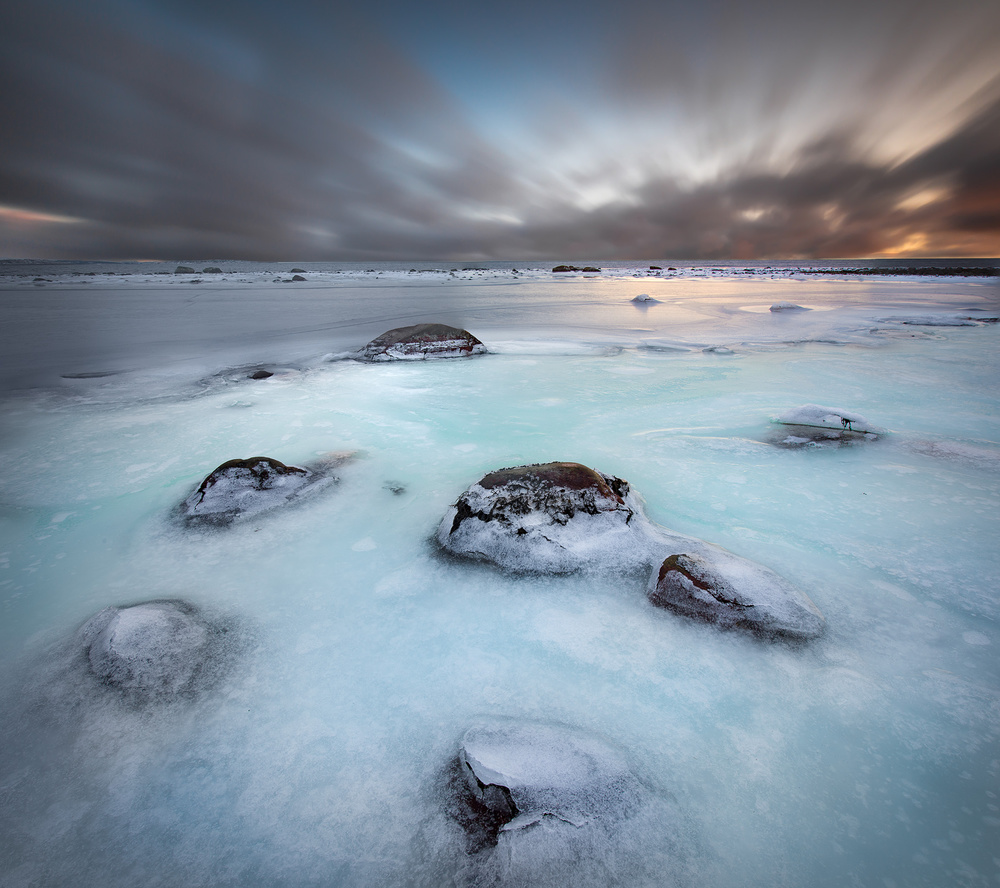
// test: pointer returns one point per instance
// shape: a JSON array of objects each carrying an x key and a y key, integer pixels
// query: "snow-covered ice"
[{"x": 359, "y": 656}]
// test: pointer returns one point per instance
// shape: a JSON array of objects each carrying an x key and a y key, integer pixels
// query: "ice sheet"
[{"x": 865, "y": 756}]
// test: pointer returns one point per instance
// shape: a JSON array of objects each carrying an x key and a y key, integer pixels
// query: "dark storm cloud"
[{"x": 253, "y": 130}]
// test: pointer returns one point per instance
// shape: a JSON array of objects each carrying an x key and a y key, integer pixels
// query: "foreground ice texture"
[
  {"x": 546, "y": 518},
  {"x": 420, "y": 342},
  {"x": 151, "y": 651},
  {"x": 866, "y": 759},
  {"x": 243, "y": 487},
  {"x": 733, "y": 592}
]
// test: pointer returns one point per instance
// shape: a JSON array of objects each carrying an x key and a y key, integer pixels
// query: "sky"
[{"x": 718, "y": 129}]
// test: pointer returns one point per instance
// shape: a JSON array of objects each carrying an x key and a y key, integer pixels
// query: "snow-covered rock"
[
  {"x": 420, "y": 342},
  {"x": 788, "y": 306},
  {"x": 644, "y": 299},
  {"x": 723, "y": 588},
  {"x": 515, "y": 775},
  {"x": 243, "y": 487},
  {"x": 812, "y": 423},
  {"x": 147, "y": 651},
  {"x": 553, "y": 517}
]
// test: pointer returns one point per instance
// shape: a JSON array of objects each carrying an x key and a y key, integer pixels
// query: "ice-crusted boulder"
[
  {"x": 788, "y": 306},
  {"x": 151, "y": 651},
  {"x": 812, "y": 423},
  {"x": 511, "y": 776},
  {"x": 552, "y": 517},
  {"x": 644, "y": 299},
  {"x": 420, "y": 342},
  {"x": 723, "y": 588},
  {"x": 243, "y": 487}
]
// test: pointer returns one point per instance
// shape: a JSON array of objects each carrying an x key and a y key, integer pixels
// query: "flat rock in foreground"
[
  {"x": 551, "y": 517},
  {"x": 420, "y": 342},
  {"x": 243, "y": 487},
  {"x": 733, "y": 592}
]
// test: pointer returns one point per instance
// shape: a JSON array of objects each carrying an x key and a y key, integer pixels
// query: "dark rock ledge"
[
  {"x": 561, "y": 517},
  {"x": 734, "y": 593},
  {"x": 420, "y": 342},
  {"x": 244, "y": 487},
  {"x": 551, "y": 517}
]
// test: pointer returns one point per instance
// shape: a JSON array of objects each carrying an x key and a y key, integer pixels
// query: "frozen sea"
[{"x": 867, "y": 757}]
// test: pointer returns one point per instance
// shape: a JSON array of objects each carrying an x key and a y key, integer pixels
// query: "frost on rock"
[
  {"x": 644, "y": 298},
  {"x": 811, "y": 424},
  {"x": 733, "y": 592},
  {"x": 553, "y": 517},
  {"x": 152, "y": 651},
  {"x": 788, "y": 306},
  {"x": 512, "y": 776},
  {"x": 420, "y": 342},
  {"x": 242, "y": 487}
]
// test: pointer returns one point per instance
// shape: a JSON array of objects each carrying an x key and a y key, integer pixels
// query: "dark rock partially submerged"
[
  {"x": 586, "y": 268},
  {"x": 723, "y": 588},
  {"x": 242, "y": 487},
  {"x": 154, "y": 651},
  {"x": 551, "y": 517},
  {"x": 511, "y": 776},
  {"x": 184, "y": 269},
  {"x": 420, "y": 342}
]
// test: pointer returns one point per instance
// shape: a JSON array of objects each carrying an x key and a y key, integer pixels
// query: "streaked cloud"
[{"x": 165, "y": 128}]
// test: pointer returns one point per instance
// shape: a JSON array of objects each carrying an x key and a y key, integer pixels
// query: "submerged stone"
[
  {"x": 420, "y": 342},
  {"x": 511, "y": 776},
  {"x": 813, "y": 424},
  {"x": 551, "y": 517},
  {"x": 150, "y": 651},
  {"x": 242, "y": 487},
  {"x": 733, "y": 592}
]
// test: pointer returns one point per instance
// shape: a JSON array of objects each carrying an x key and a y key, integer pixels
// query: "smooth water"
[{"x": 867, "y": 757}]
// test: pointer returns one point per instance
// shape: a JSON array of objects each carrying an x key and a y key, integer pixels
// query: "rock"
[
  {"x": 561, "y": 268},
  {"x": 212, "y": 269},
  {"x": 297, "y": 277},
  {"x": 590, "y": 268},
  {"x": 422, "y": 341},
  {"x": 813, "y": 424},
  {"x": 183, "y": 269},
  {"x": 150, "y": 651},
  {"x": 788, "y": 306},
  {"x": 242, "y": 487},
  {"x": 510, "y": 776},
  {"x": 656, "y": 268},
  {"x": 261, "y": 374},
  {"x": 555, "y": 517},
  {"x": 733, "y": 592},
  {"x": 644, "y": 299},
  {"x": 297, "y": 271}
]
